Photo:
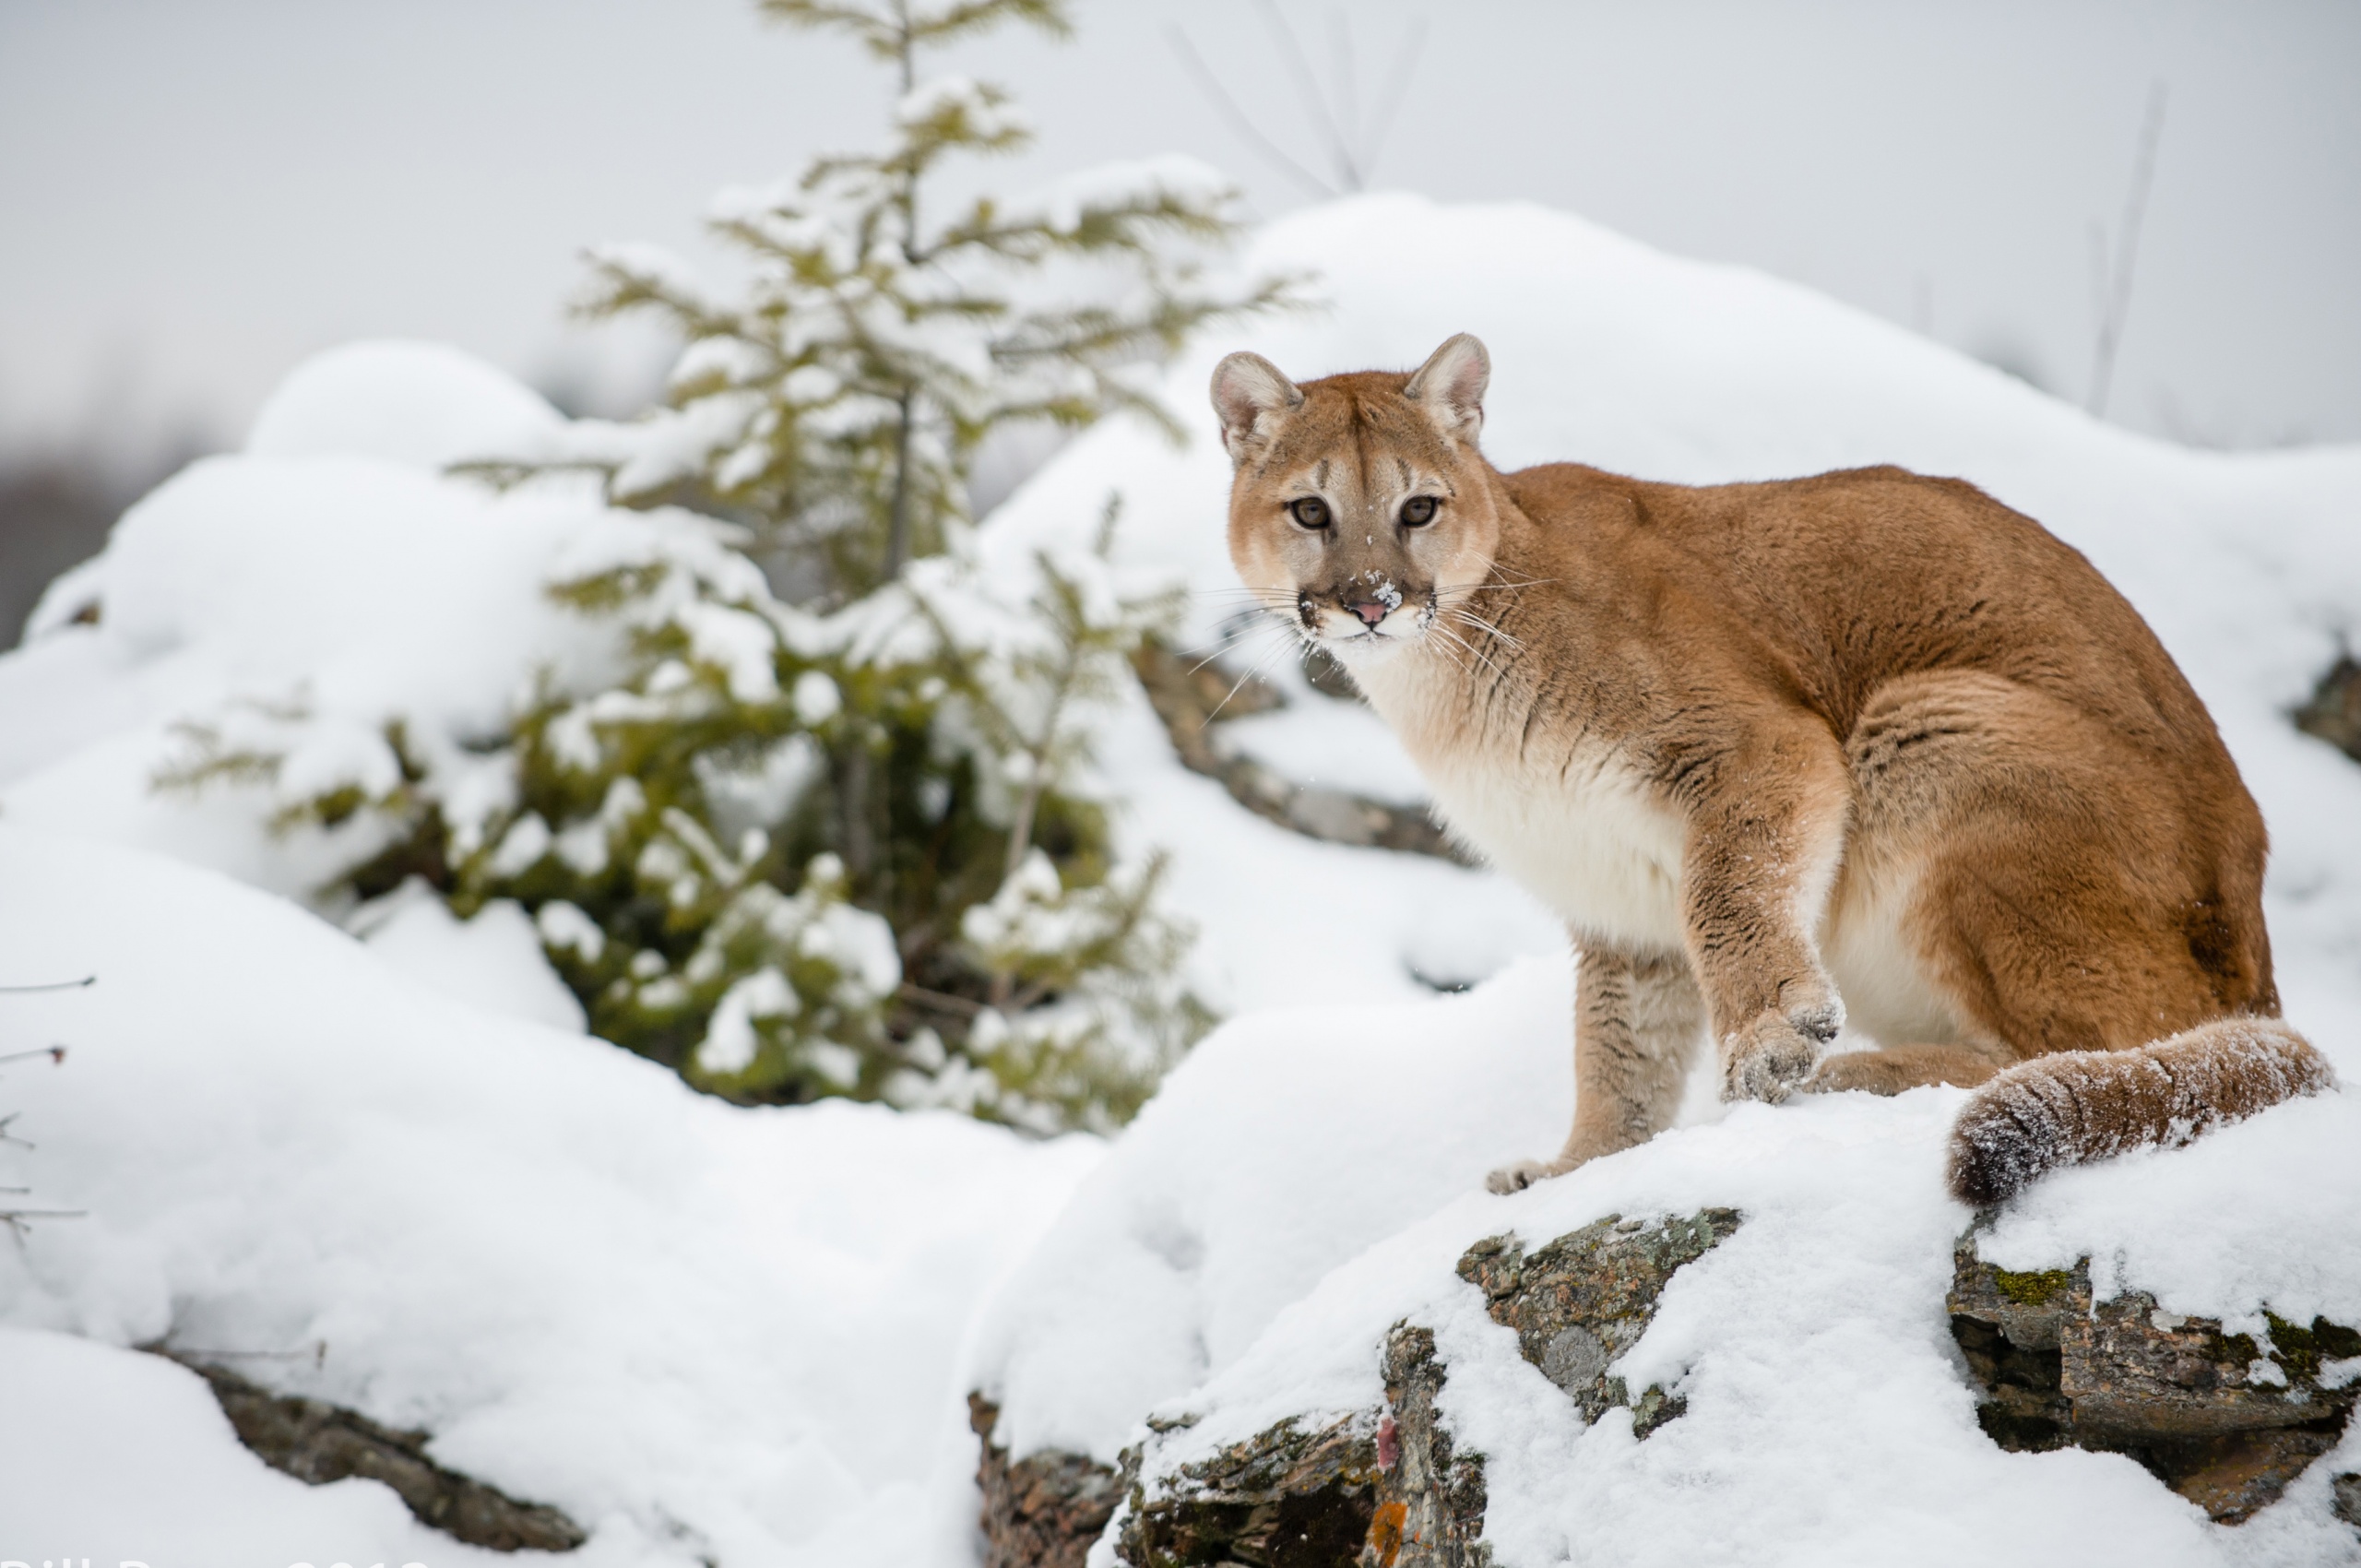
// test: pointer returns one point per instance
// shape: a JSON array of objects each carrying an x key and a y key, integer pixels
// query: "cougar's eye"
[
  {"x": 1310, "y": 512},
  {"x": 1419, "y": 511}
]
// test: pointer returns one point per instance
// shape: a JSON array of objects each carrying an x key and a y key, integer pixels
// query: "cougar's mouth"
[{"x": 1365, "y": 615}]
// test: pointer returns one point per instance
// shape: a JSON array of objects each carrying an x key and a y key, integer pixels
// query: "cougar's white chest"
[{"x": 1584, "y": 834}]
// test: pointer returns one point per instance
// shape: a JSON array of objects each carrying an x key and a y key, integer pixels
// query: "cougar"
[{"x": 1868, "y": 746}]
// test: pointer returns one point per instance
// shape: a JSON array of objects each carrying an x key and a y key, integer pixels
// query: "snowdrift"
[
  {"x": 707, "y": 1330},
  {"x": 698, "y": 1330}
]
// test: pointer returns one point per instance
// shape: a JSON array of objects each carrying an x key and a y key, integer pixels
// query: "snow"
[
  {"x": 493, "y": 961},
  {"x": 697, "y": 1328},
  {"x": 131, "y": 1460},
  {"x": 708, "y": 1330},
  {"x": 1174, "y": 180},
  {"x": 424, "y": 404},
  {"x": 1829, "y": 1417},
  {"x": 961, "y": 101},
  {"x": 1325, "y": 741}
]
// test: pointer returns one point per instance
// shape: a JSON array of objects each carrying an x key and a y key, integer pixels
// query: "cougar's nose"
[{"x": 1370, "y": 613}]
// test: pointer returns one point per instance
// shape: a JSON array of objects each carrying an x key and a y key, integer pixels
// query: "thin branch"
[
  {"x": 2115, "y": 302},
  {"x": 1348, "y": 74},
  {"x": 1208, "y": 84},
  {"x": 1309, "y": 81},
  {"x": 1253, "y": 671},
  {"x": 49, "y": 985},
  {"x": 1397, "y": 86},
  {"x": 15, "y": 1219},
  {"x": 940, "y": 999}
]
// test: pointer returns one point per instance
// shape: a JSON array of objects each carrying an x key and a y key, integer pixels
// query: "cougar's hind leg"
[
  {"x": 1639, "y": 1023},
  {"x": 1900, "y": 1067}
]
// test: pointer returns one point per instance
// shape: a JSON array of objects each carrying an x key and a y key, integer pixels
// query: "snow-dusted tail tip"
[{"x": 2084, "y": 1105}]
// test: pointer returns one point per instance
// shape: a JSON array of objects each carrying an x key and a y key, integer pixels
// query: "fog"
[{"x": 194, "y": 195}]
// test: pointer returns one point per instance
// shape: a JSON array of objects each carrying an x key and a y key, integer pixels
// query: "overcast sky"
[{"x": 195, "y": 194}]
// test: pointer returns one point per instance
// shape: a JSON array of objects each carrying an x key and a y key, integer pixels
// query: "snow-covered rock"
[{"x": 701, "y": 1330}]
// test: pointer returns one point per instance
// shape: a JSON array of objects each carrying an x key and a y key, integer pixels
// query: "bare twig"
[
  {"x": 943, "y": 1000},
  {"x": 1323, "y": 121},
  {"x": 1336, "y": 109},
  {"x": 1397, "y": 86},
  {"x": 1247, "y": 130},
  {"x": 2113, "y": 294},
  {"x": 15, "y": 1219}
]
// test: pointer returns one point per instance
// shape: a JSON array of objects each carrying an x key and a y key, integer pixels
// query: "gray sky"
[{"x": 195, "y": 194}]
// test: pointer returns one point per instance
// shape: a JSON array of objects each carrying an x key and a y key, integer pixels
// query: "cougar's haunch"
[{"x": 1867, "y": 747}]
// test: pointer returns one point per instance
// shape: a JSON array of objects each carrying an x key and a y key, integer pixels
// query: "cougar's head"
[{"x": 1359, "y": 504}]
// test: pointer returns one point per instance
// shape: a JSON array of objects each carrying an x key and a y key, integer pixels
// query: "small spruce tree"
[
  {"x": 836, "y": 829},
  {"x": 883, "y": 335}
]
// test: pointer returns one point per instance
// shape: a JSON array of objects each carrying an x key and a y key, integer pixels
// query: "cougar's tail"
[{"x": 2085, "y": 1105}]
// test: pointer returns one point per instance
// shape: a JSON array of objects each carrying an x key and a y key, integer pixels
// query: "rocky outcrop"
[
  {"x": 1382, "y": 1490},
  {"x": 2225, "y": 1419},
  {"x": 1293, "y": 1496},
  {"x": 2333, "y": 711},
  {"x": 1042, "y": 1511},
  {"x": 1188, "y": 693},
  {"x": 1431, "y": 1498},
  {"x": 1385, "y": 1488},
  {"x": 318, "y": 1442},
  {"x": 1578, "y": 1303}
]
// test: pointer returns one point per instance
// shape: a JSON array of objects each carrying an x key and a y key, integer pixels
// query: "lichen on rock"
[
  {"x": 1378, "y": 1488},
  {"x": 2225, "y": 1419},
  {"x": 1580, "y": 1302},
  {"x": 1430, "y": 1498},
  {"x": 1295, "y": 1495},
  {"x": 1390, "y": 1486}
]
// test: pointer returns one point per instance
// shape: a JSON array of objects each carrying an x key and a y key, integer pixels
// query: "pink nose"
[{"x": 1370, "y": 613}]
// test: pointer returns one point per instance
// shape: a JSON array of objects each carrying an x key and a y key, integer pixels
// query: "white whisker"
[
  {"x": 1473, "y": 619},
  {"x": 1443, "y": 630},
  {"x": 1256, "y": 668}
]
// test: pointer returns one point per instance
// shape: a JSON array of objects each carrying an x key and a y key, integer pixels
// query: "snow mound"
[
  {"x": 700, "y": 1330},
  {"x": 1328, "y": 1135},
  {"x": 1829, "y": 1418},
  {"x": 134, "y": 1455},
  {"x": 493, "y": 960},
  {"x": 425, "y": 405}
]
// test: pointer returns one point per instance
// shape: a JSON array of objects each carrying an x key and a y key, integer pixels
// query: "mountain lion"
[{"x": 1867, "y": 746}]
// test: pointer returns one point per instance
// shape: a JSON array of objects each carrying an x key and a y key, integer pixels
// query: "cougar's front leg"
[
  {"x": 1637, "y": 1024},
  {"x": 1766, "y": 833}
]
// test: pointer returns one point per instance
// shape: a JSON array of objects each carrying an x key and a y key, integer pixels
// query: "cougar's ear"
[
  {"x": 1450, "y": 386},
  {"x": 1249, "y": 395}
]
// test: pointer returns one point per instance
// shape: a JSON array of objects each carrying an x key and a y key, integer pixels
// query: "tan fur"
[{"x": 1867, "y": 740}]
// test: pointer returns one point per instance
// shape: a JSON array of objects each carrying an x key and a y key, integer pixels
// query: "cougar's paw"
[
  {"x": 1776, "y": 1053},
  {"x": 1526, "y": 1172},
  {"x": 1864, "y": 1070}
]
